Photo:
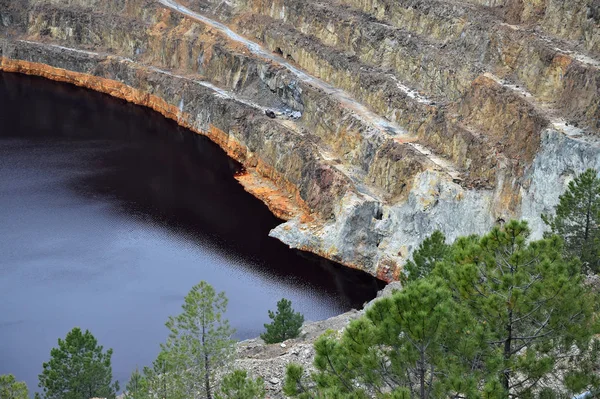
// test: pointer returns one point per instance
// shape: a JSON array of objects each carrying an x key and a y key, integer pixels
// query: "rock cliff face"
[{"x": 393, "y": 117}]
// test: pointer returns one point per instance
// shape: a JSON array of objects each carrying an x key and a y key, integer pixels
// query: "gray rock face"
[
  {"x": 559, "y": 160},
  {"x": 434, "y": 203}
]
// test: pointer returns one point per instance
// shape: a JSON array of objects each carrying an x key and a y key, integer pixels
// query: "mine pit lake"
[{"x": 110, "y": 213}]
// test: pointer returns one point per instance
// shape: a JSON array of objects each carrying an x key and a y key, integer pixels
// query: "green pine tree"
[
  {"x": 137, "y": 387},
  {"x": 418, "y": 343},
  {"x": 237, "y": 385},
  {"x": 78, "y": 369},
  {"x": 432, "y": 250},
  {"x": 577, "y": 219},
  {"x": 160, "y": 378},
  {"x": 286, "y": 323},
  {"x": 199, "y": 344},
  {"x": 296, "y": 384},
  {"x": 10, "y": 388},
  {"x": 532, "y": 302}
]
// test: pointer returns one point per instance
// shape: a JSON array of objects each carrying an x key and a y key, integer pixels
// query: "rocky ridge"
[
  {"x": 270, "y": 361},
  {"x": 393, "y": 117}
]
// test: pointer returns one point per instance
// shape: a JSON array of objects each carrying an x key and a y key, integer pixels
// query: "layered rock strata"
[{"x": 393, "y": 117}]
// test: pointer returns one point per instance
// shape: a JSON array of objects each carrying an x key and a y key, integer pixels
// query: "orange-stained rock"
[{"x": 259, "y": 179}]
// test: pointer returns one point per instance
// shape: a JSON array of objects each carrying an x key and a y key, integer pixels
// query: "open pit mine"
[{"x": 364, "y": 125}]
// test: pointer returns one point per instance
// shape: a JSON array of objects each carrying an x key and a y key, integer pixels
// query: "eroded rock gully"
[{"x": 415, "y": 115}]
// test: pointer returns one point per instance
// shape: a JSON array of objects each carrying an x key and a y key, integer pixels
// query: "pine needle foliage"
[
  {"x": 431, "y": 251},
  {"x": 160, "y": 380},
  {"x": 536, "y": 310},
  {"x": 498, "y": 317},
  {"x": 415, "y": 344},
  {"x": 78, "y": 369},
  {"x": 237, "y": 385},
  {"x": 199, "y": 344},
  {"x": 286, "y": 323},
  {"x": 137, "y": 387},
  {"x": 10, "y": 388},
  {"x": 577, "y": 220}
]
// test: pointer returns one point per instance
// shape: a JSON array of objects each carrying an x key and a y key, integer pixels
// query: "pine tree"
[
  {"x": 286, "y": 323},
  {"x": 577, "y": 219},
  {"x": 199, "y": 343},
  {"x": 78, "y": 369},
  {"x": 137, "y": 387},
  {"x": 432, "y": 250},
  {"x": 237, "y": 385},
  {"x": 10, "y": 388},
  {"x": 160, "y": 379},
  {"x": 295, "y": 384},
  {"x": 418, "y": 343},
  {"x": 532, "y": 302}
]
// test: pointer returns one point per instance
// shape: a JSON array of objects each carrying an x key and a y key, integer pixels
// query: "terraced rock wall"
[{"x": 394, "y": 117}]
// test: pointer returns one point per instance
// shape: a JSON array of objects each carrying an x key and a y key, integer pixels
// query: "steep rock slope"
[{"x": 395, "y": 117}]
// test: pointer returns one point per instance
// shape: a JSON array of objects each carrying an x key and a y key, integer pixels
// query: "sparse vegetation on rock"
[{"x": 238, "y": 385}]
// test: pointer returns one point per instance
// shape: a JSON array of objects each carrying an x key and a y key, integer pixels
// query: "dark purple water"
[{"x": 109, "y": 213}]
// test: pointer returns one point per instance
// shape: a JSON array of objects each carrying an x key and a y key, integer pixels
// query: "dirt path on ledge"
[{"x": 381, "y": 124}]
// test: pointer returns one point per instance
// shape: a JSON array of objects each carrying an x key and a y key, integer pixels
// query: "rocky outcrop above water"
[
  {"x": 393, "y": 118},
  {"x": 270, "y": 361}
]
